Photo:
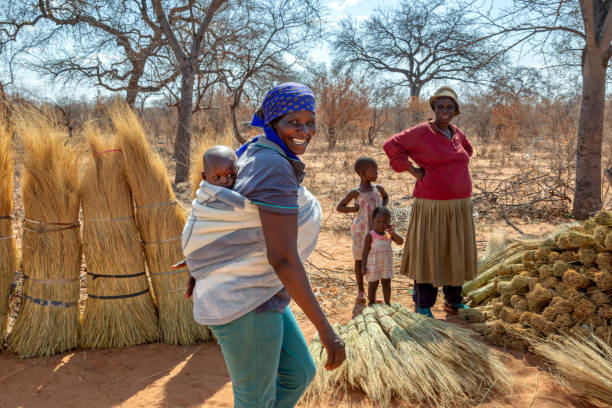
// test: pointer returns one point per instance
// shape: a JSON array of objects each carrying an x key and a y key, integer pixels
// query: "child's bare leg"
[
  {"x": 372, "y": 288},
  {"x": 359, "y": 278},
  {"x": 386, "y": 289}
]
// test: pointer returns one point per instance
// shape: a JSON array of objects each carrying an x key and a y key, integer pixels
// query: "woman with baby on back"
[
  {"x": 367, "y": 197},
  {"x": 244, "y": 244}
]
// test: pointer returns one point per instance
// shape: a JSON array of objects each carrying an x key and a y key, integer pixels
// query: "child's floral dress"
[
  {"x": 380, "y": 258},
  {"x": 362, "y": 222}
]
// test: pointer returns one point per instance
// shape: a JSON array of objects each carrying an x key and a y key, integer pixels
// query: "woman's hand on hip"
[
  {"x": 335, "y": 348},
  {"x": 418, "y": 172}
]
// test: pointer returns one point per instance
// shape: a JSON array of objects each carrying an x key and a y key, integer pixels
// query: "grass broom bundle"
[
  {"x": 584, "y": 364},
  {"x": 393, "y": 354},
  {"x": 48, "y": 321},
  {"x": 475, "y": 366},
  {"x": 160, "y": 221},
  {"x": 119, "y": 311},
  {"x": 8, "y": 252}
]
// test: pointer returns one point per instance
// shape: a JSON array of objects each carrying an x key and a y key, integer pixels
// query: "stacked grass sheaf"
[
  {"x": 8, "y": 256},
  {"x": 541, "y": 288},
  {"x": 160, "y": 221},
  {"x": 393, "y": 355},
  {"x": 119, "y": 311},
  {"x": 583, "y": 363},
  {"x": 48, "y": 320}
]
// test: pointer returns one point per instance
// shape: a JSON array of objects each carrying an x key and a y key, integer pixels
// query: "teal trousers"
[{"x": 267, "y": 358}]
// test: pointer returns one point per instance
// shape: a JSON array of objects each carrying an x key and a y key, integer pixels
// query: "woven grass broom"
[
  {"x": 160, "y": 221},
  {"x": 48, "y": 321},
  {"x": 8, "y": 253},
  {"x": 119, "y": 311}
]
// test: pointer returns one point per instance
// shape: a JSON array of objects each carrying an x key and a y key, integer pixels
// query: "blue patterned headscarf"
[{"x": 282, "y": 99}]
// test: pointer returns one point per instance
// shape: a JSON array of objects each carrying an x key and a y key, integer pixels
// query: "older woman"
[
  {"x": 246, "y": 305},
  {"x": 440, "y": 246}
]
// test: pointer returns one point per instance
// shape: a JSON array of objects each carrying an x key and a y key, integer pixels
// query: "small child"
[
  {"x": 367, "y": 197},
  {"x": 377, "y": 255},
  {"x": 220, "y": 169}
]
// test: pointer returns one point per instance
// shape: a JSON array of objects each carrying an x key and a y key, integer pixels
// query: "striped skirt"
[{"x": 440, "y": 245}]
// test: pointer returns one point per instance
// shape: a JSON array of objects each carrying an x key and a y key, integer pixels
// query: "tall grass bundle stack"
[
  {"x": 119, "y": 311},
  {"x": 396, "y": 355},
  {"x": 160, "y": 220},
  {"x": 48, "y": 320},
  {"x": 583, "y": 364},
  {"x": 8, "y": 254}
]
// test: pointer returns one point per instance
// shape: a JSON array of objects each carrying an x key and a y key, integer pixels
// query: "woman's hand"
[
  {"x": 355, "y": 208},
  {"x": 334, "y": 346},
  {"x": 189, "y": 287},
  {"x": 418, "y": 172}
]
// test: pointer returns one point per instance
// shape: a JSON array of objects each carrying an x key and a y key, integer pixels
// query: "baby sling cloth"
[{"x": 225, "y": 250}]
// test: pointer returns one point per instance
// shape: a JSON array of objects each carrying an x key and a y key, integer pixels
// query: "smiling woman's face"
[{"x": 296, "y": 129}]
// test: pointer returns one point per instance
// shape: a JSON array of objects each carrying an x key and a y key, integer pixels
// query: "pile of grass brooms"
[
  {"x": 393, "y": 355},
  {"x": 539, "y": 288},
  {"x": 131, "y": 228},
  {"x": 552, "y": 297}
]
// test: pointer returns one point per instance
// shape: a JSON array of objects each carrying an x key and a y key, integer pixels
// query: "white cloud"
[{"x": 342, "y": 4}]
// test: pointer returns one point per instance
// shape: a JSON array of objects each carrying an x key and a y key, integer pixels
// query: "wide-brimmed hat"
[{"x": 444, "y": 92}]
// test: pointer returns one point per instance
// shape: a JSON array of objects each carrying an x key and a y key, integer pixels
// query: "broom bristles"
[
  {"x": 8, "y": 251},
  {"x": 48, "y": 320},
  {"x": 112, "y": 247},
  {"x": 393, "y": 353},
  {"x": 584, "y": 364},
  {"x": 160, "y": 221}
]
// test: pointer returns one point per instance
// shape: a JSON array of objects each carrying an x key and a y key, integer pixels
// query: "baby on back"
[{"x": 220, "y": 169}]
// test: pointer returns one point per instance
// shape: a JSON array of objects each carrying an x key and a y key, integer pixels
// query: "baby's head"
[
  {"x": 381, "y": 219},
  {"x": 366, "y": 168},
  {"x": 220, "y": 166}
]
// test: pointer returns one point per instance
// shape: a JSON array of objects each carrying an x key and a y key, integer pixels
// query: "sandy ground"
[{"x": 157, "y": 375}]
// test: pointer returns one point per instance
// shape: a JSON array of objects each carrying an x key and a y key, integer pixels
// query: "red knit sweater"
[{"x": 445, "y": 162}]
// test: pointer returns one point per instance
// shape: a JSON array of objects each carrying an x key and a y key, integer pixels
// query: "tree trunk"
[
  {"x": 182, "y": 144},
  {"x": 331, "y": 138},
  {"x": 233, "y": 107},
  {"x": 132, "y": 91},
  {"x": 371, "y": 135},
  {"x": 587, "y": 193}
]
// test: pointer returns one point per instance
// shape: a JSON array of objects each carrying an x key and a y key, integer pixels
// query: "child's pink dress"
[
  {"x": 380, "y": 258},
  {"x": 362, "y": 222}
]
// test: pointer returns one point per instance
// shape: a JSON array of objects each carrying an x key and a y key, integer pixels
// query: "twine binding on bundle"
[
  {"x": 130, "y": 295},
  {"x": 55, "y": 303}
]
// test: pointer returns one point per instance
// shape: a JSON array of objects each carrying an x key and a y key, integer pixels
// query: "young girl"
[
  {"x": 367, "y": 197},
  {"x": 377, "y": 255}
]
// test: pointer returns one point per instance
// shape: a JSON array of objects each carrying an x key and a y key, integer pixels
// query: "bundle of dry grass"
[
  {"x": 560, "y": 287},
  {"x": 396, "y": 355},
  {"x": 160, "y": 220},
  {"x": 8, "y": 255},
  {"x": 48, "y": 320},
  {"x": 119, "y": 311},
  {"x": 583, "y": 364}
]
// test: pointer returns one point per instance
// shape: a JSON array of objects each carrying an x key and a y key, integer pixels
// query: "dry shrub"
[
  {"x": 160, "y": 220},
  {"x": 119, "y": 311},
  {"x": 48, "y": 320}
]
